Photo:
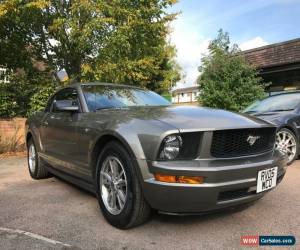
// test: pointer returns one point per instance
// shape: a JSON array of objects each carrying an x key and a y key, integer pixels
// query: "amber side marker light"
[{"x": 179, "y": 179}]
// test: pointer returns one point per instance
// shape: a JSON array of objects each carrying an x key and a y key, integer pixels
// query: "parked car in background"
[
  {"x": 283, "y": 110},
  {"x": 136, "y": 152}
]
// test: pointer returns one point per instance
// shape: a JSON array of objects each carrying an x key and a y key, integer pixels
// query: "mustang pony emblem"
[{"x": 252, "y": 139}]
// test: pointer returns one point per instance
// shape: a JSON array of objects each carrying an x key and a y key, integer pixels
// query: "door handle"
[{"x": 45, "y": 123}]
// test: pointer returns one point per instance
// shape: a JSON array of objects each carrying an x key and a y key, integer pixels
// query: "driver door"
[{"x": 59, "y": 132}]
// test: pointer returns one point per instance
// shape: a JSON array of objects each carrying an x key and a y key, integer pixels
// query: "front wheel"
[
  {"x": 118, "y": 189},
  {"x": 287, "y": 143}
]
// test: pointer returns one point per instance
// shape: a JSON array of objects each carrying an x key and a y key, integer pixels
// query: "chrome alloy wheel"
[
  {"x": 286, "y": 143},
  {"x": 113, "y": 185},
  {"x": 32, "y": 158}
]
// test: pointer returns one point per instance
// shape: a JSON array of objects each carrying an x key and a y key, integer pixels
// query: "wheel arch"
[
  {"x": 100, "y": 144},
  {"x": 295, "y": 133},
  {"x": 291, "y": 128},
  {"x": 29, "y": 136}
]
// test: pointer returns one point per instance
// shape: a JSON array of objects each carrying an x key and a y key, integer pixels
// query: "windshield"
[
  {"x": 108, "y": 97},
  {"x": 275, "y": 103}
]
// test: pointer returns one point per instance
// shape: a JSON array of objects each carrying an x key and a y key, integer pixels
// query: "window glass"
[
  {"x": 102, "y": 97},
  {"x": 68, "y": 95},
  {"x": 275, "y": 103}
]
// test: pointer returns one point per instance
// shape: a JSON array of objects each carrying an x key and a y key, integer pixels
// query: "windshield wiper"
[
  {"x": 108, "y": 107},
  {"x": 256, "y": 113},
  {"x": 103, "y": 108},
  {"x": 250, "y": 112},
  {"x": 278, "y": 110}
]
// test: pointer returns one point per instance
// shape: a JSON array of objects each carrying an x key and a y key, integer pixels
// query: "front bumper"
[{"x": 228, "y": 182}]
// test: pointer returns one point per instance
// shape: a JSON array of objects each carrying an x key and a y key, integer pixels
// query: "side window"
[{"x": 68, "y": 95}]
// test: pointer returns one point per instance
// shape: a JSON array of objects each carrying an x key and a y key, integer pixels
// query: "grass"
[{"x": 12, "y": 143}]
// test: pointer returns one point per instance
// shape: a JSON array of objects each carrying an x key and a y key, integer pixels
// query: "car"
[
  {"x": 283, "y": 110},
  {"x": 138, "y": 154}
]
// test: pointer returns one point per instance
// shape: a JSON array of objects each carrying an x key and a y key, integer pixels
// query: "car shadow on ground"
[
  {"x": 177, "y": 218},
  {"x": 199, "y": 217}
]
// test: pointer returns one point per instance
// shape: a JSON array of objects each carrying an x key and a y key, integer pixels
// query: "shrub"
[
  {"x": 39, "y": 99},
  {"x": 8, "y": 104},
  {"x": 12, "y": 143},
  {"x": 22, "y": 96},
  {"x": 227, "y": 80}
]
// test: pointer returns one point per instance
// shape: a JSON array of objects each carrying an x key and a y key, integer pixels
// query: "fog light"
[
  {"x": 190, "y": 179},
  {"x": 179, "y": 179}
]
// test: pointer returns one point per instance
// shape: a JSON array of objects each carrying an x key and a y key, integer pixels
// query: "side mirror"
[{"x": 66, "y": 106}]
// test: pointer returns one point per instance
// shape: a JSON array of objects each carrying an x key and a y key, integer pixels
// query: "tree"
[
  {"x": 20, "y": 96},
  {"x": 227, "y": 80},
  {"x": 121, "y": 41}
]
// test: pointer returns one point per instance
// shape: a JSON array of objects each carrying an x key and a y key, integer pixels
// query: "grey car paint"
[{"x": 67, "y": 142}]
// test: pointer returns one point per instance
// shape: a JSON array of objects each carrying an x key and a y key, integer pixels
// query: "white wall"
[
  {"x": 185, "y": 97},
  {"x": 195, "y": 96}
]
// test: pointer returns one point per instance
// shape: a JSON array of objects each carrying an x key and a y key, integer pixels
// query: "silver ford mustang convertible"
[{"x": 138, "y": 153}]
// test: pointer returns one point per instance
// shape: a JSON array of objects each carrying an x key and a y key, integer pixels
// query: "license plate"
[{"x": 266, "y": 179}]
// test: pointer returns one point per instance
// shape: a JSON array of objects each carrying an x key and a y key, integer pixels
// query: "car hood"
[
  {"x": 193, "y": 118},
  {"x": 274, "y": 117}
]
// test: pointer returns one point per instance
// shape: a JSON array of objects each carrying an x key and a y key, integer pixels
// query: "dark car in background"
[
  {"x": 137, "y": 152},
  {"x": 283, "y": 110}
]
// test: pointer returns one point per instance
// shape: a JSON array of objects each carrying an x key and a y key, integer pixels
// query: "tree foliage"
[
  {"x": 120, "y": 41},
  {"x": 38, "y": 100},
  {"x": 227, "y": 80},
  {"x": 21, "y": 96}
]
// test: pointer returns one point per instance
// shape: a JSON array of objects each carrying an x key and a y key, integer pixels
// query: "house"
[
  {"x": 4, "y": 76},
  {"x": 278, "y": 63},
  {"x": 185, "y": 95}
]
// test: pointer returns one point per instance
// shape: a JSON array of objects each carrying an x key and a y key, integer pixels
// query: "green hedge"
[
  {"x": 168, "y": 97},
  {"x": 39, "y": 99},
  {"x": 21, "y": 100}
]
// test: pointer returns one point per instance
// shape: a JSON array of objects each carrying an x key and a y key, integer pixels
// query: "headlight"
[{"x": 171, "y": 147}]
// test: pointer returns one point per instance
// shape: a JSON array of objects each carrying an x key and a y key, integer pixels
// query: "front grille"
[
  {"x": 239, "y": 142},
  {"x": 235, "y": 194},
  {"x": 240, "y": 193}
]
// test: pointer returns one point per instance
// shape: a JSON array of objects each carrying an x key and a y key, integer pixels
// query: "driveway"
[{"x": 51, "y": 214}]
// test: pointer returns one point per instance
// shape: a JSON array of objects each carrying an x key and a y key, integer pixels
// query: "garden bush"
[
  {"x": 39, "y": 99},
  {"x": 21, "y": 96}
]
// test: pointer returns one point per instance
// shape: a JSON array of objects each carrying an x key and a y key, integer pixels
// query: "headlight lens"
[{"x": 171, "y": 147}]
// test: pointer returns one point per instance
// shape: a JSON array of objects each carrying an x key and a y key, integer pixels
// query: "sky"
[{"x": 250, "y": 23}]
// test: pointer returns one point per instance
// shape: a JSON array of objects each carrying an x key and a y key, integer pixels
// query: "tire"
[
  {"x": 36, "y": 167},
  {"x": 286, "y": 136},
  {"x": 129, "y": 209}
]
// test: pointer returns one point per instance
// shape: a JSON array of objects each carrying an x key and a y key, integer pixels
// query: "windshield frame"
[{"x": 119, "y": 86}]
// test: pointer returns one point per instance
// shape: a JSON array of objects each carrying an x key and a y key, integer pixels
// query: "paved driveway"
[{"x": 51, "y": 214}]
